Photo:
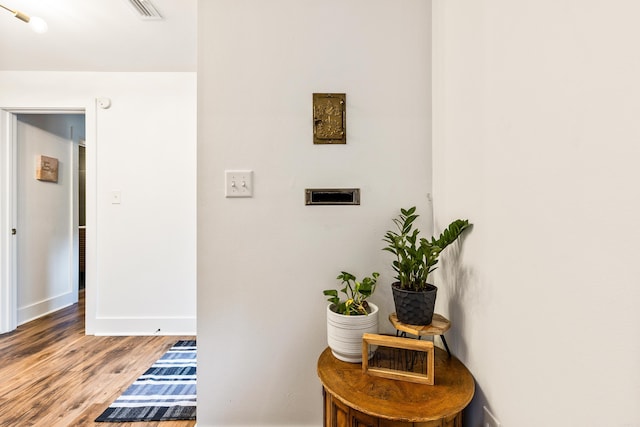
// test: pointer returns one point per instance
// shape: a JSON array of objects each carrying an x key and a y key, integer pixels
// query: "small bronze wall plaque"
[
  {"x": 329, "y": 118},
  {"x": 47, "y": 169}
]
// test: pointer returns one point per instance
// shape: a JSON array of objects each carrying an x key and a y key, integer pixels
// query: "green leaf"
[
  {"x": 356, "y": 292},
  {"x": 415, "y": 257}
]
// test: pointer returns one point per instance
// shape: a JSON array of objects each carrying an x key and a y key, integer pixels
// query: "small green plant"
[
  {"x": 417, "y": 258},
  {"x": 356, "y": 292}
]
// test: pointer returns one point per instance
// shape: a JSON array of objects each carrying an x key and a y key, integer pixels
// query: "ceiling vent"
[{"x": 145, "y": 9}]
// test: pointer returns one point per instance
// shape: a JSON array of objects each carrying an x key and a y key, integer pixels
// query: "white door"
[{"x": 47, "y": 214}]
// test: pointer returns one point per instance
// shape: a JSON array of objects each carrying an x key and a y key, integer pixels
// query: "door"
[{"x": 47, "y": 212}]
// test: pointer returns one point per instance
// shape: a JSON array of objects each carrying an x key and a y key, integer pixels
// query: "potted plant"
[
  {"x": 415, "y": 259},
  {"x": 349, "y": 318}
]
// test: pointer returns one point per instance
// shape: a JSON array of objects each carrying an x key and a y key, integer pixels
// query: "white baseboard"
[
  {"x": 112, "y": 326},
  {"x": 42, "y": 308}
]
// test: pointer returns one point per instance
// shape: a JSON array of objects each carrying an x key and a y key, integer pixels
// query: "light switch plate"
[{"x": 238, "y": 183}]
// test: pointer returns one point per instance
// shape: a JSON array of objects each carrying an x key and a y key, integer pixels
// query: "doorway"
[{"x": 44, "y": 212}]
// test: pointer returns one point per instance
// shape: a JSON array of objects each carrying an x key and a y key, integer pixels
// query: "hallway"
[{"x": 52, "y": 375}]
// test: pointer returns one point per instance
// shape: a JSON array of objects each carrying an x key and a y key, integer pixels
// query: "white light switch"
[
  {"x": 116, "y": 197},
  {"x": 238, "y": 183}
]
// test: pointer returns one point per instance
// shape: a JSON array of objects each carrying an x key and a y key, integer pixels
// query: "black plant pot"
[{"x": 414, "y": 307}]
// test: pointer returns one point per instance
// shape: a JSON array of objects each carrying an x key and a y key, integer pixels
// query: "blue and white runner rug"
[{"x": 167, "y": 391}]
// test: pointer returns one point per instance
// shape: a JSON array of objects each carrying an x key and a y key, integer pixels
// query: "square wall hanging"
[{"x": 47, "y": 169}]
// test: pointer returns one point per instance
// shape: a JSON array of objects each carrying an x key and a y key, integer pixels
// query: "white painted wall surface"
[
  {"x": 47, "y": 214},
  {"x": 536, "y": 136},
  {"x": 263, "y": 262},
  {"x": 141, "y": 253}
]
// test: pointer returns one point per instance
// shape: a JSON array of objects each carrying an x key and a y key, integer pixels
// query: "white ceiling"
[{"x": 99, "y": 35}]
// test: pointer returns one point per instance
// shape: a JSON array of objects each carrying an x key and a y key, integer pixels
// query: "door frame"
[{"x": 9, "y": 212}]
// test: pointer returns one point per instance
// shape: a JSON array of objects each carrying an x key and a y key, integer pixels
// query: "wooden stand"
[
  {"x": 439, "y": 325},
  {"x": 355, "y": 399},
  {"x": 399, "y": 358}
]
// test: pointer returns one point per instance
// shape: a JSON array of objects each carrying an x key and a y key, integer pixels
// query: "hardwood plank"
[{"x": 53, "y": 375}]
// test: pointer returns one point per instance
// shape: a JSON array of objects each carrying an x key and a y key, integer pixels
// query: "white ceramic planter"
[{"x": 344, "y": 333}]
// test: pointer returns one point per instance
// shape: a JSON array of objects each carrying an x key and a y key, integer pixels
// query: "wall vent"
[
  {"x": 145, "y": 9},
  {"x": 331, "y": 196}
]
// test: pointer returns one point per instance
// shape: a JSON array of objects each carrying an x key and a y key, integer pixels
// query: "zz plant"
[
  {"x": 356, "y": 294},
  {"x": 416, "y": 258}
]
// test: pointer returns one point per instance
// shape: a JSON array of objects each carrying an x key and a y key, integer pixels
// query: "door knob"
[{"x": 13, "y": 231}]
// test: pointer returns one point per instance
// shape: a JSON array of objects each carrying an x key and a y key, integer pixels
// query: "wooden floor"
[{"x": 52, "y": 375}]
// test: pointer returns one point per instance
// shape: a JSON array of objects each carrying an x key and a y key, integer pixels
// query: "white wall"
[
  {"x": 536, "y": 136},
  {"x": 47, "y": 220},
  {"x": 140, "y": 253},
  {"x": 263, "y": 262}
]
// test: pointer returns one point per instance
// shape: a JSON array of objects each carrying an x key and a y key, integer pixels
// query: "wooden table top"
[
  {"x": 439, "y": 325},
  {"x": 399, "y": 400}
]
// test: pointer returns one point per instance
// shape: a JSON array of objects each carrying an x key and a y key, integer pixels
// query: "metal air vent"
[
  {"x": 145, "y": 9},
  {"x": 331, "y": 196}
]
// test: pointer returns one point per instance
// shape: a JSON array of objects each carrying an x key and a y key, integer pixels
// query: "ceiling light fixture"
[{"x": 37, "y": 24}]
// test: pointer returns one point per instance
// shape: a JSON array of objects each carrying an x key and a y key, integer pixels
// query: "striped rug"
[{"x": 167, "y": 391}]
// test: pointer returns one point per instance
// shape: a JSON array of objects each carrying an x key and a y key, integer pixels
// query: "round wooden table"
[{"x": 354, "y": 398}]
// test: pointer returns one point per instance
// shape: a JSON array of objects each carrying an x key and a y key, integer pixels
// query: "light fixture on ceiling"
[{"x": 37, "y": 24}]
